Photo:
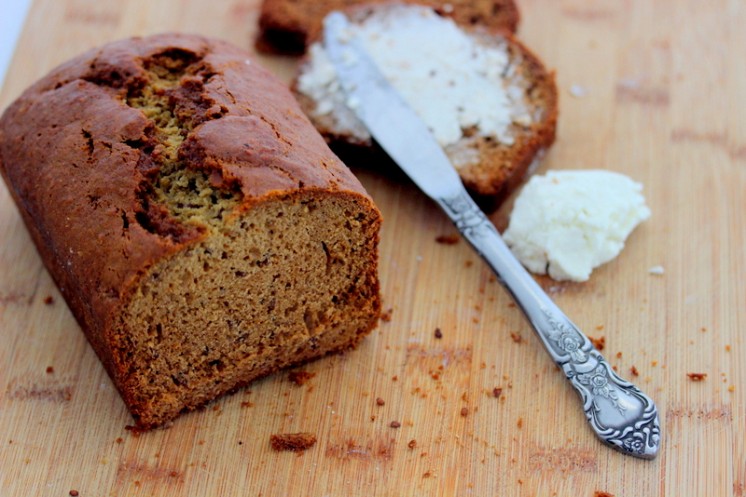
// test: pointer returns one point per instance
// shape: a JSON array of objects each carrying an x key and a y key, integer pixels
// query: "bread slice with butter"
[
  {"x": 487, "y": 99},
  {"x": 289, "y": 26}
]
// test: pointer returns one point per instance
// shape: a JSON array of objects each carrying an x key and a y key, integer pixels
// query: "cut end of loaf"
[{"x": 288, "y": 282}]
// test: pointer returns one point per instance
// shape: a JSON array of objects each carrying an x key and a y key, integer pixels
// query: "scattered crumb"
[
  {"x": 247, "y": 404},
  {"x": 447, "y": 239},
  {"x": 119, "y": 440},
  {"x": 654, "y": 363},
  {"x": 656, "y": 270},
  {"x": 412, "y": 444},
  {"x": 294, "y": 442},
  {"x": 727, "y": 348},
  {"x": 601, "y": 493},
  {"x": 300, "y": 377},
  {"x": 516, "y": 337},
  {"x": 497, "y": 392},
  {"x": 438, "y": 333},
  {"x": 395, "y": 424},
  {"x": 49, "y": 300},
  {"x": 618, "y": 355},
  {"x": 380, "y": 401},
  {"x": 634, "y": 371},
  {"x": 394, "y": 378},
  {"x": 578, "y": 91},
  {"x": 74, "y": 493},
  {"x": 703, "y": 329},
  {"x": 468, "y": 263},
  {"x": 464, "y": 411},
  {"x": 732, "y": 388},
  {"x": 427, "y": 474},
  {"x": 697, "y": 376},
  {"x": 386, "y": 315},
  {"x": 599, "y": 342},
  {"x": 599, "y": 327},
  {"x": 134, "y": 430},
  {"x": 519, "y": 423},
  {"x": 50, "y": 370}
]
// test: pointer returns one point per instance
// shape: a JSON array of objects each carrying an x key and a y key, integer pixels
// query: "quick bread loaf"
[
  {"x": 199, "y": 228},
  {"x": 289, "y": 26},
  {"x": 488, "y": 100}
]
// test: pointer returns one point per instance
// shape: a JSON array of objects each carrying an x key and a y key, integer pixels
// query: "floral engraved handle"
[{"x": 619, "y": 413}]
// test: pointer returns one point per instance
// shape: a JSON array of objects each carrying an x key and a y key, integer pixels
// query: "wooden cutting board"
[{"x": 656, "y": 90}]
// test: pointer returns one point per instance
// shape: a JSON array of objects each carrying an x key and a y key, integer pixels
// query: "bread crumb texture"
[
  {"x": 198, "y": 226},
  {"x": 294, "y": 442}
]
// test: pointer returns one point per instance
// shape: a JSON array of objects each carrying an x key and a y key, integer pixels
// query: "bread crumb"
[
  {"x": 732, "y": 388},
  {"x": 386, "y": 315},
  {"x": 516, "y": 337},
  {"x": 395, "y": 424},
  {"x": 300, "y": 377},
  {"x": 247, "y": 404},
  {"x": 438, "y": 334},
  {"x": 49, "y": 300},
  {"x": 497, "y": 392},
  {"x": 618, "y": 355},
  {"x": 601, "y": 493},
  {"x": 464, "y": 411},
  {"x": 468, "y": 263},
  {"x": 656, "y": 270},
  {"x": 412, "y": 444},
  {"x": 519, "y": 423},
  {"x": 447, "y": 239},
  {"x": 50, "y": 369},
  {"x": 727, "y": 348},
  {"x": 119, "y": 440},
  {"x": 294, "y": 442},
  {"x": 599, "y": 327},
  {"x": 634, "y": 371},
  {"x": 380, "y": 401},
  {"x": 599, "y": 342},
  {"x": 697, "y": 376},
  {"x": 427, "y": 474},
  {"x": 74, "y": 493}
]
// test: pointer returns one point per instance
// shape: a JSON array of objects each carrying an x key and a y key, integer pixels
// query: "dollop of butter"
[{"x": 567, "y": 223}]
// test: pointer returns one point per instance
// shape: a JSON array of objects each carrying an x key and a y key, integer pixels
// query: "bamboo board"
[{"x": 663, "y": 91}]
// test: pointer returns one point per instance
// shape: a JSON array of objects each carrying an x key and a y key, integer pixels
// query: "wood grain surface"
[{"x": 663, "y": 101}]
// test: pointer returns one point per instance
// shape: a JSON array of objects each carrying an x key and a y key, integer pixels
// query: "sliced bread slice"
[
  {"x": 489, "y": 101},
  {"x": 289, "y": 26}
]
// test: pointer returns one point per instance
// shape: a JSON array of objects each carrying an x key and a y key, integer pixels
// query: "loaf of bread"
[
  {"x": 289, "y": 26},
  {"x": 488, "y": 100},
  {"x": 199, "y": 228}
]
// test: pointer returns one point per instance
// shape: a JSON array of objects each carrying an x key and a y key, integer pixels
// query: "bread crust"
[
  {"x": 78, "y": 160},
  {"x": 290, "y": 26}
]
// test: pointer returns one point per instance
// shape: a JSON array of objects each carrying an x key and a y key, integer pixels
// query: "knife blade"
[{"x": 620, "y": 414}]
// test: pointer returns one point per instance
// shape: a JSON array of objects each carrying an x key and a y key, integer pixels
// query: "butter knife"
[{"x": 619, "y": 413}]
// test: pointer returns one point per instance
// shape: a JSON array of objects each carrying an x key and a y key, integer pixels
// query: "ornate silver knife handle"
[{"x": 619, "y": 412}]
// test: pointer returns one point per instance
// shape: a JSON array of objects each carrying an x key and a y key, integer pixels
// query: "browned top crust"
[
  {"x": 289, "y": 26},
  {"x": 73, "y": 147}
]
